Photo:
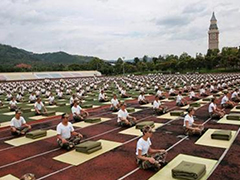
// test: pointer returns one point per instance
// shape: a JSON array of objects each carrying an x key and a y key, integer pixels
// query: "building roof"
[{"x": 213, "y": 17}]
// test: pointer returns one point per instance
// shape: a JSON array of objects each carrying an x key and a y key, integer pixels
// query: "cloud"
[{"x": 112, "y": 29}]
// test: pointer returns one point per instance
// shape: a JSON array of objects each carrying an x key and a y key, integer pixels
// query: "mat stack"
[
  {"x": 145, "y": 123},
  {"x": 89, "y": 147},
  {"x": 131, "y": 110},
  {"x": 189, "y": 171},
  {"x": 171, "y": 98},
  {"x": 222, "y": 135},
  {"x": 195, "y": 104},
  {"x": 86, "y": 105},
  {"x": 36, "y": 134},
  {"x": 176, "y": 113},
  {"x": 235, "y": 117},
  {"x": 93, "y": 120},
  {"x": 238, "y": 107}
]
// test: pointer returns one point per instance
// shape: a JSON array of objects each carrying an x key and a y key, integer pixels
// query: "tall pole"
[{"x": 123, "y": 65}]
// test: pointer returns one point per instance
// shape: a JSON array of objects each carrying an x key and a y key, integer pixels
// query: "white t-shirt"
[
  {"x": 189, "y": 119},
  {"x": 143, "y": 146},
  {"x": 51, "y": 99},
  {"x": 224, "y": 100},
  {"x": 38, "y": 105},
  {"x": 101, "y": 96},
  {"x": 122, "y": 114},
  {"x": 141, "y": 98},
  {"x": 211, "y": 107},
  {"x": 202, "y": 91},
  {"x": 114, "y": 102},
  {"x": 32, "y": 97},
  {"x": 65, "y": 131},
  {"x": 76, "y": 110},
  {"x": 159, "y": 93},
  {"x": 156, "y": 104},
  {"x": 234, "y": 94},
  {"x": 17, "y": 123},
  {"x": 179, "y": 98},
  {"x": 192, "y": 94},
  {"x": 13, "y": 103}
]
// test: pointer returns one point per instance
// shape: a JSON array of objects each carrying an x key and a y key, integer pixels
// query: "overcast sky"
[{"x": 117, "y": 28}]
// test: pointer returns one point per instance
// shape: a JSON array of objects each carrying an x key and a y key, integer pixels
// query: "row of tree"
[{"x": 227, "y": 60}]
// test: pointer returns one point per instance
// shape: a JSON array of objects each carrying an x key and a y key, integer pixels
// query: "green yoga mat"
[
  {"x": 206, "y": 99},
  {"x": 88, "y": 147},
  {"x": 86, "y": 105},
  {"x": 233, "y": 117},
  {"x": 131, "y": 110},
  {"x": 237, "y": 107},
  {"x": 171, "y": 98},
  {"x": 176, "y": 113},
  {"x": 145, "y": 123},
  {"x": 195, "y": 104},
  {"x": 222, "y": 135},
  {"x": 92, "y": 120},
  {"x": 189, "y": 171},
  {"x": 36, "y": 134}
]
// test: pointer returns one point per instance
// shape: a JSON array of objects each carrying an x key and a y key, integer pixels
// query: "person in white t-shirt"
[
  {"x": 180, "y": 101},
  {"x": 141, "y": 99},
  {"x": 32, "y": 98},
  {"x": 193, "y": 96},
  {"x": 158, "y": 108},
  {"x": 39, "y": 107},
  {"x": 235, "y": 96},
  {"x": 147, "y": 157},
  {"x": 160, "y": 93},
  {"x": 124, "y": 93},
  {"x": 67, "y": 138},
  {"x": 190, "y": 127},
  {"x": 19, "y": 125},
  {"x": 13, "y": 104},
  {"x": 225, "y": 102},
  {"x": 172, "y": 92},
  {"x": 214, "y": 111},
  {"x": 78, "y": 113},
  {"x": 60, "y": 94},
  {"x": 115, "y": 104},
  {"x": 202, "y": 91},
  {"x": 51, "y": 100},
  {"x": 124, "y": 119},
  {"x": 102, "y": 97},
  {"x": 19, "y": 97}
]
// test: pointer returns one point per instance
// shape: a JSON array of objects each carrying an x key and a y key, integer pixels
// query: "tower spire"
[{"x": 213, "y": 17}]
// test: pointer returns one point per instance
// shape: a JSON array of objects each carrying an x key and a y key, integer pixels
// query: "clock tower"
[{"x": 213, "y": 34}]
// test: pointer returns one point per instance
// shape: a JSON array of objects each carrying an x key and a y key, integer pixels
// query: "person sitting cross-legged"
[
  {"x": 190, "y": 127},
  {"x": 78, "y": 113},
  {"x": 115, "y": 105},
  {"x": 141, "y": 99},
  {"x": 102, "y": 97},
  {"x": 214, "y": 111},
  {"x": 18, "y": 124},
  {"x": 13, "y": 104},
  {"x": 158, "y": 108},
  {"x": 67, "y": 138},
  {"x": 39, "y": 107},
  {"x": 180, "y": 101},
  {"x": 124, "y": 119},
  {"x": 225, "y": 102},
  {"x": 147, "y": 157}
]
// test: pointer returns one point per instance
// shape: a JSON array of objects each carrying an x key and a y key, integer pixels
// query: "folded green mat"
[
  {"x": 61, "y": 104},
  {"x": 189, "y": 171},
  {"x": 237, "y": 107},
  {"x": 26, "y": 110},
  {"x": 176, "y": 113},
  {"x": 145, "y": 123},
  {"x": 206, "y": 99},
  {"x": 222, "y": 135},
  {"x": 195, "y": 104},
  {"x": 3, "y": 107},
  {"x": 88, "y": 147},
  {"x": 86, "y": 105},
  {"x": 36, "y": 134},
  {"x": 92, "y": 120},
  {"x": 233, "y": 117},
  {"x": 50, "y": 113},
  {"x": 131, "y": 109},
  {"x": 171, "y": 98}
]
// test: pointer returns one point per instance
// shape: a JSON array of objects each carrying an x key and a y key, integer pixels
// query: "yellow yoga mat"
[
  {"x": 136, "y": 132},
  {"x": 167, "y": 100},
  {"x": 84, "y": 124},
  {"x": 4, "y": 124},
  {"x": 77, "y": 158},
  {"x": 23, "y": 140},
  {"x": 206, "y": 140},
  {"x": 42, "y": 117},
  {"x": 9, "y": 113},
  {"x": 51, "y": 107},
  {"x": 147, "y": 105},
  {"x": 166, "y": 172},
  {"x": 225, "y": 121},
  {"x": 234, "y": 110},
  {"x": 202, "y": 102},
  {"x": 8, "y": 177}
]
